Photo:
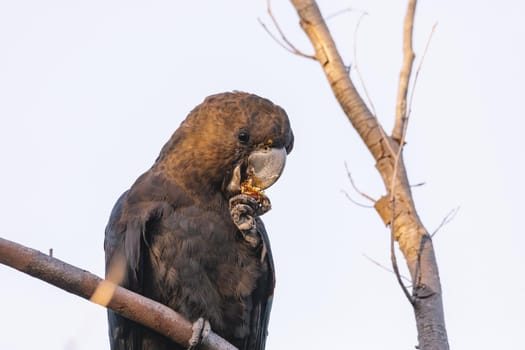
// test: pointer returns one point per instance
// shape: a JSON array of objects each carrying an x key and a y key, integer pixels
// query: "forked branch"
[
  {"x": 285, "y": 43},
  {"x": 397, "y": 208}
]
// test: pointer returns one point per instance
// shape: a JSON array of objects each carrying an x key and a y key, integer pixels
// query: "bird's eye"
[{"x": 244, "y": 137}]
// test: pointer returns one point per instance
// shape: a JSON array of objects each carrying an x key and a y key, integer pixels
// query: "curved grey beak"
[{"x": 265, "y": 166}]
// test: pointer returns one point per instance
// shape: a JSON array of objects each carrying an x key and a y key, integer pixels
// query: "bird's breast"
[{"x": 199, "y": 266}]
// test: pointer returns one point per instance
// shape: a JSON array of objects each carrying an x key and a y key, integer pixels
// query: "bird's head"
[{"x": 232, "y": 142}]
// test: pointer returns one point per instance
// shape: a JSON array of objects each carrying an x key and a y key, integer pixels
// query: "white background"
[{"x": 90, "y": 91}]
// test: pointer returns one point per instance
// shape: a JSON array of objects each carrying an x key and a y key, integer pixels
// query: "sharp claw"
[
  {"x": 200, "y": 330},
  {"x": 265, "y": 205},
  {"x": 252, "y": 238}
]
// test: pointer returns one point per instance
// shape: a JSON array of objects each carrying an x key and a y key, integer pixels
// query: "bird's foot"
[
  {"x": 243, "y": 209},
  {"x": 259, "y": 206},
  {"x": 200, "y": 329}
]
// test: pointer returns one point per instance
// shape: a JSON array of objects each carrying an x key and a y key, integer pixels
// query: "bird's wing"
[
  {"x": 262, "y": 296},
  {"x": 124, "y": 243}
]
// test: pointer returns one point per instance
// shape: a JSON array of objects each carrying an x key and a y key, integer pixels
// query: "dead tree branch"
[
  {"x": 375, "y": 262},
  {"x": 396, "y": 208},
  {"x": 286, "y": 44},
  {"x": 448, "y": 218},
  {"x": 364, "y": 195},
  {"x": 131, "y": 305},
  {"x": 356, "y": 202},
  {"x": 339, "y": 13},
  {"x": 393, "y": 257},
  {"x": 419, "y": 70},
  {"x": 406, "y": 71},
  {"x": 356, "y": 67},
  {"x": 399, "y": 132}
]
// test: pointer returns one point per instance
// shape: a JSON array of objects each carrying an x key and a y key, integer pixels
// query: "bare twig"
[
  {"x": 406, "y": 70},
  {"x": 419, "y": 69},
  {"x": 340, "y": 12},
  {"x": 356, "y": 66},
  {"x": 393, "y": 257},
  {"x": 356, "y": 202},
  {"x": 131, "y": 305},
  {"x": 375, "y": 262},
  {"x": 364, "y": 195},
  {"x": 287, "y": 45},
  {"x": 448, "y": 218}
]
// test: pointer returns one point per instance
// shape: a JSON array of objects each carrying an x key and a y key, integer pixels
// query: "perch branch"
[{"x": 124, "y": 302}]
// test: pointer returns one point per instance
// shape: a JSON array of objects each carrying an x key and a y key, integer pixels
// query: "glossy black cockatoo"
[{"x": 188, "y": 234}]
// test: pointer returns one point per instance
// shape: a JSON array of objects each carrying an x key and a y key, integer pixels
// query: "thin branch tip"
[
  {"x": 363, "y": 194},
  {"x": 345, "y": 10},
  {"x": 375, "y": 262},
  {"x": 414, "y": 84},
  {"x": 356, "y": 202},
  {"x": 446, "y": 220},
  {"x": 356, "y": 67},
  {"x": 285, "y": 43}
]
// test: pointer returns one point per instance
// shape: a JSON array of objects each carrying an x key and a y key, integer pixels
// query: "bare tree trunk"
[
  {"x": 124, "y": 302},
  {"x": 397, "y": 208}
]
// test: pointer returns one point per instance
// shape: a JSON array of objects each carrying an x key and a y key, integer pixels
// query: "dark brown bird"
[{"x": 188, "y": 233}]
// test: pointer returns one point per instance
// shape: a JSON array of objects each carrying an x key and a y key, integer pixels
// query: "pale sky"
[{"x": 90, "y": 91}]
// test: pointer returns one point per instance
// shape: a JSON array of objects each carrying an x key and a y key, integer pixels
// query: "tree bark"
[
  {"x": 397, "y": 208},
  {"x": 131, "y": 305}
]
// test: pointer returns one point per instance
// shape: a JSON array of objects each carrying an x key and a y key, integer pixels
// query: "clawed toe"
[{"x": 200, "y": 330}]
